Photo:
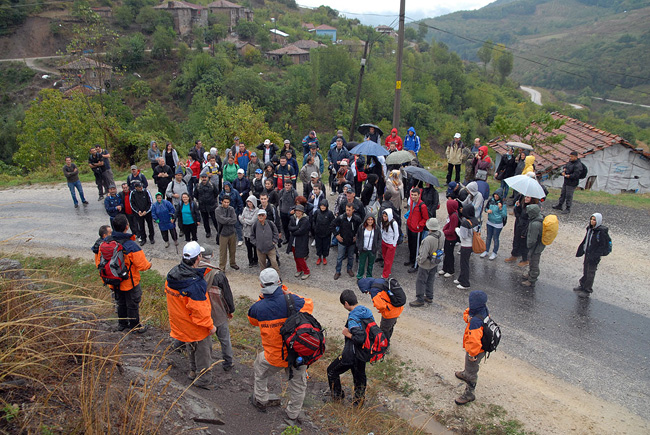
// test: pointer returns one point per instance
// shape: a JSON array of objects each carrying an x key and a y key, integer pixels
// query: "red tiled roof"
[
  {"x": 177, "y": 4},
  {"x": 581, "y": 137}
]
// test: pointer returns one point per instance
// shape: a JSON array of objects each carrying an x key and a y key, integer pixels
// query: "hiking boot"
[
  {"x": 351, "y": 273},
  {"x": 325, "y": 261},
  {"x": 337, "y": 275},
  {"x": 528, "y": 284},
  {"x": 523, "y": 263},
  {"x": 557, "y": 207},
  {"x": 416, "y": 303},
  {"x": 191, "y": 375},
  {"x": 234, "y": 266},
  {"x": 583, "y": 294},
  {"x": 318, "y": 260},
  {"x": 412, "y": 269},
  {"x": 465, "y": 398},
  {"x": 227, "y": 368},
  {"x": 428, "y": 300},
  {"x": 510, "y": 259},
  {"x": 76, "y": 206},
  {"x": 260, "y": 406},
  {"x": 567, "y": 211},
  {"x": 461, "y": 376},
  {"x": 208, "y": 236}
]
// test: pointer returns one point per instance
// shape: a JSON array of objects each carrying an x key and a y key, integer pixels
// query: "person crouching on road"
[
  {"x": 189, "y": 312},
  {"x": 474, "y": 353},
  {"x": 269, "y": 314},
  {"x": 595, "y": 244},
  {"x": 428, "y": 259},
  {"x": 389, "y": 313}
]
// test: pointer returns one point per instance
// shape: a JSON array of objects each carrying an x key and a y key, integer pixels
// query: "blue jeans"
[
  {"x": 492, "y": 233},
  {"x": 345, "y": 251},
  {"x": 77, "y": 185},
  {"x": 239, "y": 230},
  {"x": 505, "y": 188}
]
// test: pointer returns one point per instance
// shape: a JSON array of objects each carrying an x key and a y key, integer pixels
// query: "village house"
[
  {"x": 386, "y": 30},
  {"x": 233, "y": 12},
  {"x": 186, "y": 15},
  {"x": 103, "y": 11},
  {"x": 325, "y": 30},
  {"x": 297, "y": 55},
  {"x": 614, "y": 165},
  {"x": 279, "y": 37},
  {"x": 244, "y": 47},
  {"x": 308, "y": 44},
  {"x": 87, "y": 73}
]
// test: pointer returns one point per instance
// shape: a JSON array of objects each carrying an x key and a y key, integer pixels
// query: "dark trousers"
[
  {"x": 133, "y": 223},
  {"x": 206, "y": 216},
  {"x": 284, "y": 218},
  {"x": 165, "y": 234},
  {"x": 252, "y": 251},
  {"x": 141, "y": 221},
  {"x": 387, "y": 326},
  {"x": 465, "y": 254},
  {"x": 128, "y": 306},
  {"x": 589, "y": 274},
  {"x": 190, "y": 232},
  {"x": 567, "y": 196},
  {"x": 322, "y": 246},
  {"x": 448, "y": 260},
  {"x": 450, "y": 170},
  {"x": 519, "y": 244},
  {"x": 337, "y": 368},
  {"x": 99, "y": 181},
  {"x": 413, "y": 242}
]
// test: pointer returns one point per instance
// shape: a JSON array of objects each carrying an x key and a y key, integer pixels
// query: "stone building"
[
  {"x": 233, "y": 12},
  {"x": 186, "y": 15}
]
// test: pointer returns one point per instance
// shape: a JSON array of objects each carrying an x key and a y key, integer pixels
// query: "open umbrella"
[
  {"x": 523, "y": 146},
  {"x": 526, "y": 185},
  {"x": 351, "y": 145},
  {"x": 369, "y": 148},
  {"x": 363, "y": 129},
  {"x": 399, "y": 157},
  {"x": 422, "y": 175}
]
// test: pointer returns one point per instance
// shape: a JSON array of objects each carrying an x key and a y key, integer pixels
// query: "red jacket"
[
  {"x": 398, "y": 140},
  {"x": 450, "y": 227},
  {"x": 418, "y": 216}
]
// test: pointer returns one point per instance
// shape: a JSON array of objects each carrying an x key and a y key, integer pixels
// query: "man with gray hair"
[
  {"x": 270, "y": 313},
  {"x": 264, "y": 236}
]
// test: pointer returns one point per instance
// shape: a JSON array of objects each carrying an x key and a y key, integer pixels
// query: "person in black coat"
[
  {"x": 206, "y": 194},
  {"x": 431, "y": 199},
  {"x": 506, "y": 169},
  {"x": 141, "y": 203},
  {"x": 595, "y": 245},
  {"x": 299, "y": 240},
  {"x": 519, "y": 247},
  {"x": 344, "y": 228},
  {"x": 268, "y": 151},
  {"x": 320, "y": 224},
  {"x": 369, "y": 189}
]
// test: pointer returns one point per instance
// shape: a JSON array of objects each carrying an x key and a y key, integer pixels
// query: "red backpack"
[
  {"x": 376, "y": 343},
  {"x": 112, "y": 266},
  {"x": 302, "y": 336}
]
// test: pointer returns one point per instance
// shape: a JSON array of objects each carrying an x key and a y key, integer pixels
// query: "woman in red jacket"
[{"x": 451, "y": 238}]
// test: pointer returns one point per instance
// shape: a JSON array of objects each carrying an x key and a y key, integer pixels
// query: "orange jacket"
[
  {"x": 472, "y": 337},
  {"x": 381, "y": 301},
  {"x": 270, "y": 313},
  {"x": 134, "y": 259},
  {"x": 188, "y": 306}
]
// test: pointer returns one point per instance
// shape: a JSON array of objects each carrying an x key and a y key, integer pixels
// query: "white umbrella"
[
  {"x": 521, "y": 145},
  {"x": 526, "y": 185}
]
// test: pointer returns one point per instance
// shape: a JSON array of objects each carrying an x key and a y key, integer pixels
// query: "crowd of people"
[{"x": 251, "y": 197}]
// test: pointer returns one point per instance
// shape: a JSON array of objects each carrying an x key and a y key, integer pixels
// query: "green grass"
[
  {"x": 48, "y": 176},
  {"x": 631, "y": 200}
]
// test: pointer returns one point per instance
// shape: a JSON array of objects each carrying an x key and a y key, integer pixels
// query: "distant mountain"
[{"x": 606, "y": 41}]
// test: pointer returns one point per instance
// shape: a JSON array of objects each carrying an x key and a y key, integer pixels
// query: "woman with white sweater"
[{"x": 389, "y": 238}]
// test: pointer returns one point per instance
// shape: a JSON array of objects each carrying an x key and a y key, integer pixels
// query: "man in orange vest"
[{"x": 189, "y": 312}]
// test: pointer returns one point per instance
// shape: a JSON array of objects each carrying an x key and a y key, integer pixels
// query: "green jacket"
[
  {"x": 535, "y": 227},
  {"x": 230, "y": 172}
]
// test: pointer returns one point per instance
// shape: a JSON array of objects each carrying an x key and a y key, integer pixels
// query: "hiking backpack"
[
  {"x": 395, "y": 292},
  {"x": 491, "y": 335},
  {"x": 376, "y": 343},
  {"x": 608, "y": 245},
  {"x": 112, "y": 266},
  {"x": 550, "y": 228},
  {"x": 302, "y": 336},
  {"x": 583, "y": 172}
]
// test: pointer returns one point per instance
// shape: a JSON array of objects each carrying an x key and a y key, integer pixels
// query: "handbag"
[
  {"x": 481, "y": 174},
  {"x": 478, "y": 245}
]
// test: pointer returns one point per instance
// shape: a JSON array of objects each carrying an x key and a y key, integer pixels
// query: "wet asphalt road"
[{"x": 600, "y": 344}]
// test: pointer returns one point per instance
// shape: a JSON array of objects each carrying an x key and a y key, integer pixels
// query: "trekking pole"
[{"x": 417, "y": 251}]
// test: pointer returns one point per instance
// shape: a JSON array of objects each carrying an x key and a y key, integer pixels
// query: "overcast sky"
[{"x": 416, "y": 9}]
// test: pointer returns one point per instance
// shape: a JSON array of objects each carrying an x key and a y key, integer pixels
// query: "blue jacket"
[
  {"x": 497, "y": 216},
  {"x": 334, "y": 155},
  {"x": 412, "y": 143},
  {"x": 306, "y": 142},
  {"x": 353, "y": 346},
  {"x": 243, "y": 186},
  {"x": 366, "y": 285},
  {"x": 294, "y": 164},
  {"x": 111, "y": 203},
  {"x": 235, "y": 199},
  {"x": 163, "y": 213}
]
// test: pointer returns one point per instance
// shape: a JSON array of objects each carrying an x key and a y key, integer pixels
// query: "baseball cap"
[
  {"x": 270, "y": 280},
  {"x": 339, "y": 133},
  {"x": 299, "y": 208},
  {"x": 134, "y": 167},
  {"x": 314, "y": 175},
  {"x": 344, "y": 162},
  {"x": 267, "y": 141},
  {"x": 349, "y": 190},
  {"x": 574, "y": 153},
  {"x": 258, "y": 171},
  {"x": 287, "y": 141},
  {"x": 253, "y": 154},
  {"x": 261, "y": 211},
  {"x": 112, "y": 186},
  {"x": 192, "y": 250},
  {"x": 347, "y": 186},
  {"x": 457, "y": 136},
  {"x": 240, "y": 171}
]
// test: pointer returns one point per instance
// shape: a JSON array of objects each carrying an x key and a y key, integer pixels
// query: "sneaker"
[
  {"x": 100, "y": 197},
  {"x": 85, "y": 203},
  {"x": 416, "y": 303},
  {"x": 260, "y": 406},
  {"x": 465, "y": 399},
  {"x": 240, "y": 243},
  {"x": 324, "y": 260},
  {"x": 318, "y": 261},
  {"x": 493, "y": 256},
  {"x": 332, "y": 193},
  {"x": 448, "y": 275},
  {"x": 583, "y": 294},
  {"x": 456, "y": 281},
  {"x": 297, "y": 274},
  {"x": 166, "y": 244},
  {"x": 484, "y": 254},
  {"x": 523, "y": 263},
  {"x": 528, "y": 284},
  {"x": 313, "y": 243},
  {"x": 208, "y": 235},
  {"x": 412, "y": 269},
  {"x": 76, "y": 206},
  {"x": 428, "y": 300},
  {"x": 234, "y": 266},
  {"x": 305, "y": 276},
  {"x": 337, "y": 275},
  {"x": 461, "y": 287},
  {"x": 557, "y": 207},
  {"x": 510, "y": 259},
  {"x": 441, "y": 272}
]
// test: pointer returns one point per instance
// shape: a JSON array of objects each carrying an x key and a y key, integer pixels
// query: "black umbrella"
[
  {"x": 422, "y": 175},
  {"x": 351, "y": 145},
  {"x": 363, "y": 129}
]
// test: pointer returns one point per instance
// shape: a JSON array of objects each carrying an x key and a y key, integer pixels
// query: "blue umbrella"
[{"x": 369, "y": 148}]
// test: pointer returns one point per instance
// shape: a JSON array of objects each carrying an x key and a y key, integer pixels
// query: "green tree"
[
  {"x": 123, "y": 16},
  {"x": 534, "y": 130},
  {"x": 55, "y": 127},
  {"x": 149, "y": 19},
  {"x": 503, "y": 65},
  {"x": 246, "y": 30},
  {"x": 485, "y": 54},
  {"x": 129, "y": 53},
  {"x": 154, "y": 122},
  {"x": 163, "y": 42},
  {"x": 423, "y": 30},
  {"x": 410, "y": 34}
]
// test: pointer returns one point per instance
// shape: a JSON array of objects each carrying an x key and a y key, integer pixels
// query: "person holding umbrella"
[
  {"x": 415, "y": 225},
  {"x": 371, "y": 132}
]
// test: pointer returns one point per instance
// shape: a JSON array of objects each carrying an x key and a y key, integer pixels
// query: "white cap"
[
  {"x": 270, "y": 280},
  {"x": 192, "y": 250},
  {"x": 344, "y": 162},
  {"x": 240, "y": 171},
  {"x": 287, "y": 141},
  {"x": 314, "y": 175},
  {"x": 457, "y": 136},
  {"x": 261, "y": 211},
  {"x": 267, "y": 141}
]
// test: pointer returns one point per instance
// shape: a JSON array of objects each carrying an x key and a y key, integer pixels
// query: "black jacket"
[
  {"x": 573, "y": 170},
  {"x": 431, "y": 199},
  {"x": 376, "y": 239},
  {"x": 359, "y": 209},
  {"x": 347, "y": 229},
  {"x": 299, "y": 232},
  {"x": 321, "y": 221},
  {"x": 206, "y": 194},
  {"x": 194, "y": 209},
  {"x": 507, "y": 166},
  {"x": 140, "y": 201},
  {"x": 598, "y": 246}
]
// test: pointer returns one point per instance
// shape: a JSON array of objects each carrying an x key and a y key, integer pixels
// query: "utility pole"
[
  {"x": 356, "y": 101},
  {"x": 398, "y": 78}
]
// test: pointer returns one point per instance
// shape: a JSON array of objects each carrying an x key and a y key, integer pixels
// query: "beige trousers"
[{"x": 297, "y": 385}]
